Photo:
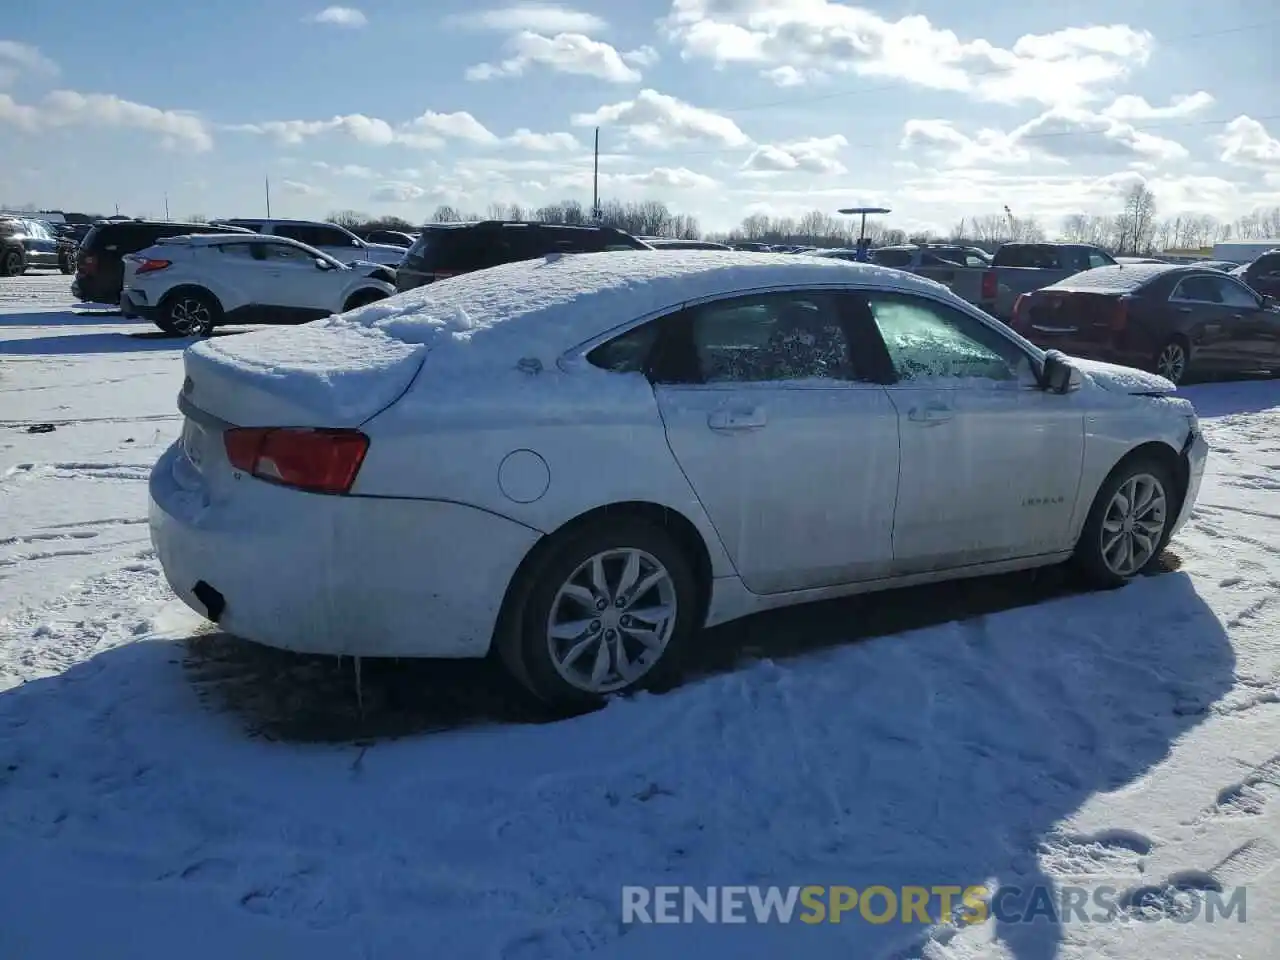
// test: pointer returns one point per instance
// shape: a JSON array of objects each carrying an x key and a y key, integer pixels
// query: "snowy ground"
[{"x": 165, "y": 791}]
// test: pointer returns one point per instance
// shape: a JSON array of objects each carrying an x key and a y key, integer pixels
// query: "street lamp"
[{"x": 863, "y": 243}]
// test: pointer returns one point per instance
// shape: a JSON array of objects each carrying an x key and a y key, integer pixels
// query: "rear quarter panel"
[{"x": 492, "y": 439}]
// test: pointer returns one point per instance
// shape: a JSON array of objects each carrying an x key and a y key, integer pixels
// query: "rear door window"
[
  {"x": 896, "y": 259},
  {"x": 1197, "y": 290}
]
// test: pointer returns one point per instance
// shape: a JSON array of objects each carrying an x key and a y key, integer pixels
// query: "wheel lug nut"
[
  {"x": 610, "y": 634},
  {"x": 621, "y": 602},
  {"x": 595, "y": 626},
  {"x": 601, "y": 604}
]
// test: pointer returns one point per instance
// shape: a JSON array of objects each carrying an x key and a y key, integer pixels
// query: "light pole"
[{"x": 863, "y": 243}]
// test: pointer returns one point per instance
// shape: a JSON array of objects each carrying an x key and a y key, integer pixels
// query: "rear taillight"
[
  {"x": 1119, "y": 315},
  {"x": 318, "y": 461},
  {"x": 151, "y": 266},
  {"x": 989, "y": 285},
  {"x": 1018, "y": 306},
  {"x": 87, "y": 263}
]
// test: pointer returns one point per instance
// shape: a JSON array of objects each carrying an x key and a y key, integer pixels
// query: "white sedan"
[{"x": 582, "y": 460}]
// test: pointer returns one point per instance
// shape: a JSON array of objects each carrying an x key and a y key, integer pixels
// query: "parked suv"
[
  {"x": 1263, "y": 274},
  {"x": 447, "y": 249},
  {"x": 336, "y": 241},
  {"x": 99, "y": 268},
  {"x": 25, "y": 243},
  {"x": 187, "y": 285}
]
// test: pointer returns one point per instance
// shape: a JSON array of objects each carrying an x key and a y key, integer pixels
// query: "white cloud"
[
  {"x": 398, "y": 192},
  {"x": 348, "y": 17},
  {"x": 657, "y": 180},
  {"x": 815, "y": 155},
  {"x": 572, "y": 53},
  {"x": 1129, "y": 107},
  {"x": 545, "y": 18},
  {"x": 657, "y": 120},
  {"x": 298, "y": 188},
  {"x": 798, "y": 42},
  {"x": 1246, "y": 143},
  {"x": 645, "y": 56},
  {"x": 431, "y": 130},
  {"x": 17, "y": 59},
  {"x": 1059, "y": 134},
  {"x": 1070, "y": 132},
  {"x": 543, "y": 142},
  {"x": 353, "y": 170},
  {"x": 67, "y": 108}
]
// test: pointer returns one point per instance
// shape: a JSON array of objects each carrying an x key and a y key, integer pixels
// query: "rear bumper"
[
  {"x": 132, "y": 305},
  {"x": 1197, "y": 455},
  {"x": 42, "y": 258},
  {"x": 357, "y": 576}
]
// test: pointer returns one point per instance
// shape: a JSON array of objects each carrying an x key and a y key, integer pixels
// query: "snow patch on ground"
[{"x": 1128, "y": 739}]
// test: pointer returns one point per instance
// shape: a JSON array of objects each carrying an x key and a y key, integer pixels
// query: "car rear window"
[
  {"x": 1033, "y": 255},
  {"x": 1124, "y": 278},
  {"x": 892, "y": 258}
]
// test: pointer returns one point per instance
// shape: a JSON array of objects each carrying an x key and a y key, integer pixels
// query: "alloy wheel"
[
  {"x": 12, "y": 265},
  {"x": 611, "y": 620},
  {"x": 1133, "y": 525},
  {"x": 1172, "y": 362},
  {"x": 190, "y": 317}
]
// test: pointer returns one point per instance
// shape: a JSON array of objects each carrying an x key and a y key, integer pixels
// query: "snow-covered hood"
[{"x": 1118, "y": 379}]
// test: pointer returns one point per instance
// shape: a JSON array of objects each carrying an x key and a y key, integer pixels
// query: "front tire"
[
  {"x": 1129, "y": 523},
  {"x": 188, "y": 313},
  {"x": 13, "y": 264},
  {"x": 362, "y": 298},
  {"x": 610, "y": 610}
]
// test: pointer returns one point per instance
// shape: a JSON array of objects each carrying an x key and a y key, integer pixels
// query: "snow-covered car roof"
[{"x": 554, "y": 303}]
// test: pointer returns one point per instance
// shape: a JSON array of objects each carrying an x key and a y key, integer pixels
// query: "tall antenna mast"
[
  {"x": 267, "y": 183},
  {"x": 595, "y": 181}
]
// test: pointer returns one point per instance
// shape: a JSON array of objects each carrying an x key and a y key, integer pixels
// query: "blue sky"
[{"x": 719, "y": 107}]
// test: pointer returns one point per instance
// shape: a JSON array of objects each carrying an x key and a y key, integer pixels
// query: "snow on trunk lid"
[{"x": 321, "y": 374}]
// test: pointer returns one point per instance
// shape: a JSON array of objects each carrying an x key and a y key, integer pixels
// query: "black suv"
[
  {"x": 448, "y": 249},
  {"x": 99, "y": 261}
]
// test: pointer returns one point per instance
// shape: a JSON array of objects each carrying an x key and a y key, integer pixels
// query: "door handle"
[
  {"x": 749, "y": 418},
  {"x": 1184, "y": 309},
  {"x": 930, "y": 414}
]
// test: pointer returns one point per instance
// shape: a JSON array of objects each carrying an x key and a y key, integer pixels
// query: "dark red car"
[{"x": 1161, "y": 317}]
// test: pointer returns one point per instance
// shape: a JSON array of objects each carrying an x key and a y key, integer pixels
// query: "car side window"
[
  {"x": 1096, "y": 260},
  {"x": 283, "y": 253},
  {"x": 770, "y": 337},
  {"x": 1233, "y": 294},
  {"x": 242, "y": 251},
  {"x": 1198, "y": 290},
  {"x": 927, "y": 340},
  {"x": 332, "y": 237}
]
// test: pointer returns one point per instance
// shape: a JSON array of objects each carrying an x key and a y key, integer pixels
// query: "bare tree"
[{"x": 1137, "y": 223}]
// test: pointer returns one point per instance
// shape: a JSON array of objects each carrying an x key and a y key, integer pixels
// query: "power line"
[
  {"x": 1047, "y": 135},
  {"x": 984, "y": 72}
]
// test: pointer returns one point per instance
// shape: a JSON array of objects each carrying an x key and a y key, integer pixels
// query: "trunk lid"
[
  {"x": 1061, "y": 319},
  {"x": 319, "y": 374}
]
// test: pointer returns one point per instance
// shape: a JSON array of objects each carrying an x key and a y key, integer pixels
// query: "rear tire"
[
  {"x": 13, "y": 264},
  {"x": 66, "y": 266},
  {"x": 1129, "y": 523},
  {"x": 189, "y": 313},
  {"x": 607, "y": 611},
  {"x": 1172, "y": 359}
]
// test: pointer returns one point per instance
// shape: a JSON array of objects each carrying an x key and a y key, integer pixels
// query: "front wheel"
[
  {"x": 13, "y": 264},
  {"x": 188, "y": 313},
  {"x": 1128, "y": 524},
  {"x": 362, "y": 298},
  {"x": 608, "y": 611}
]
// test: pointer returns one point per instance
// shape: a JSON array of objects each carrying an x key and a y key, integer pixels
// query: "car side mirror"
[{"x": 1059, "y": 375}]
